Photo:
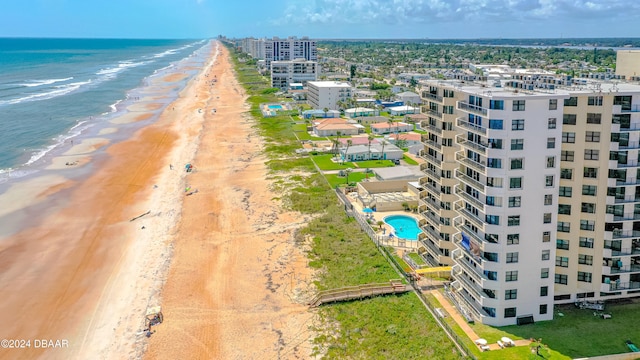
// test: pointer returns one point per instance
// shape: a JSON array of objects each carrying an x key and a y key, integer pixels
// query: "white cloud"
[{"x": 367, "y": 12}]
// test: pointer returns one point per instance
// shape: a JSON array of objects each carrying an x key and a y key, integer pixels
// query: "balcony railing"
[
  {"x": 431, "y": 203},
  {"x": 477, "y": 308},
  {"x": 432, "y": 248},
  {"x": 625, "y": 269},
  {"x": 434, "y": 145},
  {"x": 458, "y": 223},
  {"x": 473, "y": 271},
  {"x": 461, "y": 105},
  {"x": 434, "y": 113},
  {"x": 459, "y": 207},
  {"x": 629, "y": 164},
  {"x": 621, "y": 234},
  {"x": 432, "y": 159},
  {"x": 480, "y": 167},
  {"x": 481, "y": 148},
  {"x": 461, "y": 122},
  {"x": 627, "y": 182},
  {"x": 624, "y": 217},
  {"x": 629, "y": 146},
  {"x": 626, "y": 199},
  {"x": 633, "y": 127},
  {"x": 467, "y": 197},
  {"x": 432, "y": 188},
  {"x": 614, "y": 286},
  {"x": 470, "y": 181},
  {"x": 429, "y": 230},
  {"x": 434, "y": 173},
  {"x": 427, "y": 95},
  {"x": 431, "y": 128},
  {"x": 435, "y": 219},
  {"x": 470, "y": 285}
]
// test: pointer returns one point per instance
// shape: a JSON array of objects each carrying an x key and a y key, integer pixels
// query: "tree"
[
  {"x": 347, "y": 172},
  {"x": 349, "y": 142},
  {"x": 352, "y": 71},
  {"x": 383, "y": 142},
  {"x": 380, "y": 223},
  {"x": 326, "y": 110},
  {"x": 369, "y": 139}
]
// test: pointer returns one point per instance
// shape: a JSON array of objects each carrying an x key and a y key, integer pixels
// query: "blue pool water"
[
  {"x": 405, "y": 227},
  {"x": 275, "y": 107}
]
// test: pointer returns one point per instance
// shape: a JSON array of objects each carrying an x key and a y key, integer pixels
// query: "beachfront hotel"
[
  {"x": 285, "y": 73},
  {"x": 277, "y": 49},
  {"x": 327, "y": 94},
  {"x": 533, "y": 191}
]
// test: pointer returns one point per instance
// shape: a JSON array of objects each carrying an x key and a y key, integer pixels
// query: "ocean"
[{"x": 53, "y": 90}]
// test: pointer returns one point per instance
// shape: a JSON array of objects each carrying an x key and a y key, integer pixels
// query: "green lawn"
[
  {"x": 409, "y": 160},
  {"x": 336, "y": 180},
  {"x": 375, "y": 164},
  {"x": 325, "y": 163},
  {"x": 416, "y": 258}
]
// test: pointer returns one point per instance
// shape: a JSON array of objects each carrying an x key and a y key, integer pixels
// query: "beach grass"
[
  {"x": 335, "y": 180},
  {"x": 409, "y": 160},
  {"x": 378, "y": 328}
]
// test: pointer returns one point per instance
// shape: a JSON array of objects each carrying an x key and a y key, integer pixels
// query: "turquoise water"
[
  {"x": 275, "y": 107},
  {"x": 405, "y": 227},
  {"x": 51, "y": 90}
]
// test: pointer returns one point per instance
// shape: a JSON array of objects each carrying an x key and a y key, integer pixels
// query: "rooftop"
[{"x": 329, "y": 84}]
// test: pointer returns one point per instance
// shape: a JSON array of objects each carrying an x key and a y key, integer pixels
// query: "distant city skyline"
[{"x": 436, "y": 19}]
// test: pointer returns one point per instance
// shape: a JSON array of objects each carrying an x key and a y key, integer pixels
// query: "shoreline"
[{"x": 80, "y": 274}]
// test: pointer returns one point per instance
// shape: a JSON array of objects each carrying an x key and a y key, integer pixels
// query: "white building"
[
  {"x": 403, "y": 110},
  {"x": 291, "y": 48},
  {"x": 409, "y": 98},
  {"x": 327, "y": 94},
  {"x": 284, "y": 73}
]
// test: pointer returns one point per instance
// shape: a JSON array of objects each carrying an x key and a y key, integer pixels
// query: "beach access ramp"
[{"x": 359, "y": 292}]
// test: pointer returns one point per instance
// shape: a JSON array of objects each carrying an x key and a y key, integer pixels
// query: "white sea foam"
[
  {"x": 34, "y": 83},
  {"x": 59, "y": 91},
  {"x": 109, "y": 73},
  {"x": 59, "y": 140}
]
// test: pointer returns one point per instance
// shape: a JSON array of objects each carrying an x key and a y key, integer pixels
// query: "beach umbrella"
[{"x": 367, "y": 210}]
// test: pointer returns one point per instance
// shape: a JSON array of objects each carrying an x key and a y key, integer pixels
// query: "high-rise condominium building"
[
  {"x": 532, "y": 192},
  {"x": 277, "y": 49},
  {"x": 327, "y": 94},
  {"x": 284, "y": 73}
]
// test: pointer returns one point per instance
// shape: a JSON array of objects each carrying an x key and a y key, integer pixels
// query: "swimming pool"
[
  {"x": 405, "y": 227},
  {"x": 275, "y": 107}
]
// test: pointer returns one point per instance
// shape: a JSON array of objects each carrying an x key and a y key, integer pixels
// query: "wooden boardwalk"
[{"x": 359, "y": 292}]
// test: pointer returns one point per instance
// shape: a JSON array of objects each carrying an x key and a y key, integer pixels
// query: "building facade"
[
  {"x": 327, "y": 94},
  {"x": 284, "y": 73},
  {"x": 544, "y": 193}
]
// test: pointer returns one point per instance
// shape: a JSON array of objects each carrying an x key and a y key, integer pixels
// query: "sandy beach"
[{"x": 221, "y": 262}]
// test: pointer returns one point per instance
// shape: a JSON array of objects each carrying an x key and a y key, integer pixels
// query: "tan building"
[{"x": 628, "y": 63}]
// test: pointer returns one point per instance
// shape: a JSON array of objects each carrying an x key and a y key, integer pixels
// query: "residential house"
[
  {"x": 403, "y": 110},
  {"x": 408, "y": 139},
  {"x": 387, "y": 128},
  {"x": 361, "y": 112},
  {"x": 331, "y": 127}
]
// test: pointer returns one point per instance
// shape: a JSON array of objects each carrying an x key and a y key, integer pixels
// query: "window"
[
  {"x": 495, "y": 143},
  {"x": 544, "y": 290},
  {"x": 548, "y": 199},
  {"x": 588, "y": 225},
  {"x": 572, "y": 101},
  {"x": 568, "y": 137},
  {"x": 513, "y": 239},
  {"x": 551, "y": 162},
  {"x": 566, "y": 155},
  {"x": 562, "y": 261},
  {"x": 543, "y": 309},
  {"x": 447, "y": 109},
  {"x": 492, "y": 238},
  {"x": 566, "y": 174},
  {"x": 546, "y": 236},
  {"x": 569, "y": 119},
  {"x": 496, "y": 104},
  {"x": 490, "y": 200},
  {"x": 546, "y": 254},
  {"x": 515, "y": 183},
  {"x": 517, "y": 144},
  {"x": 591, "y": 154},
  {"x": 564, "y": 209},
  {"x": 586, "y": 242},
  {"x": 564, "y": 226},
  {"x": 551, "y": 123},
  {"x": 561, "y": 279},
  {"x": 591, "y": 173},
  {"x": 589, "y": 208},
  {"x": 546, "y": 218},
  {"x": 511, "y": 294},
  {"x": 494, "y": 163},
  {"x": 553, "y": 104},
  {"x": 585, "y": 259},
  {"x": 495, "y": 124},
  {"x": 548, "y": 180},
  {"x": 518, "y": 105},
  {"x": 592, "y": 136},
  {"x": 448, "y": 93},
  {"x": 513, "y": 220},
  {"x": 514, "y": 201},
  {"x": 551, "y": 143},
  {"x": 511, "y": 276},
  {"x": 492, "y": 219},
  {"x": 584, "y": 276},
  {"x": 562, "y": 244},
  {"x": 594, "y": 118},
  {"x": 512, "y": 257},
  {"x": 623, "y": 101},
  {"x": 517, "y": 164},
  {"x": 509, "y": 312},
  {"x": 517, "y": 124},
  {"x": 594, "y": 101},
  {"x": 544, "y": 273},
  {"x": 565, "y": 191},
  {"x": 494, "y": 182}
]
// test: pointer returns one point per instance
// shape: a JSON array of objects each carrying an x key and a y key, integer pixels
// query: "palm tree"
[
  {"x": 370, "y": 139},
  {"x": 336, "y": 143},
  {"x": 347, "y": 172},
  {"x": 326, "y": 110},
  {"x": 349, "y": 142},
  {"x": 383, "y": 142}
]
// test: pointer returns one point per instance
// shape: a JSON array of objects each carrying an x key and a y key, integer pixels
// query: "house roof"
[
  {"x": 410, "y": 136},
  {"x": 384, "y": 125},
  {"x": 407, "y": 93},
  {"x": 339, "y": 126},
  {"x": 359, "y": 109},
  {"x": 399, "y": 172},
  {"x": 330, "y": 121},
  {"x": 359, "y": 140},
  {"x": 402, "y": 108}
]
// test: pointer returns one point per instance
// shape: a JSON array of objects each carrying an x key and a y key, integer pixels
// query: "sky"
[{"x": 435, "y": 19}]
